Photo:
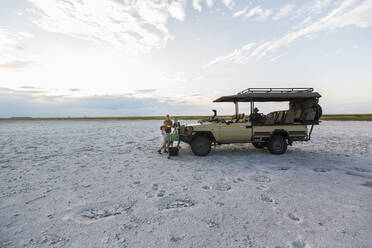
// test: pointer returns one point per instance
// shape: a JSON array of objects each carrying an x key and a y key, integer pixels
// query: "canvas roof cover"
[{"x": 271, "y": 95}]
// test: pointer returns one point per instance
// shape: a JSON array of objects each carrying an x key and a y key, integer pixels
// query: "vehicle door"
[{"x": 235, "y": 132}]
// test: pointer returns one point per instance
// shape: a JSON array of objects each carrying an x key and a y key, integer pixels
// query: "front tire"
[
  {"x": 278, "y": 145},
  {"x": 201, "y": 146}
]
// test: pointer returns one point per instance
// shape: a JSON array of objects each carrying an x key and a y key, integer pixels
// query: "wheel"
[
  {"x": 277, "y": 145},
  {"x": 201, "y": 146},
  {"x": 318, "y": 112},
  {"x": 258, "y": 145}
]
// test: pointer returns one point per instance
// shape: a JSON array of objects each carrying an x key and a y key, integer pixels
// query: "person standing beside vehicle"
[
  {"x": 166, "y": 130},
  {"x": 176, "y": 129},
  {"x": 165, "y": 140},
  {"x": 168, "y": 124}
]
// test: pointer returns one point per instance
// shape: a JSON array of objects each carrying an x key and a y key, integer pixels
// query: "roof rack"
[{"x": 275, "y": 90}]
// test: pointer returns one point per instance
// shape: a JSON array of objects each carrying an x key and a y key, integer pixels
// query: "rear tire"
[
  {"x": 278, "y": 145},
  {"x": 259, "y": 145},
  {"x": 201, "y": 146}
]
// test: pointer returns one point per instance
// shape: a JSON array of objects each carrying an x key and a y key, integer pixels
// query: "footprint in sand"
[
  {"x": 262, "y": 179},
  {"x": 266, "y": 198},
  {"x": 367, "y": 184},
  {"x": 280, "y": 168},
  {"x": 350, "y": 173},
  {"x": 155, "y": 186},
  {"x": 222, "y": 187},
  {"x": 360, "y": 169},
  {"x": 97, "y": 211},
  {"x": 174, "y": 202},
  {"x": 300, "y": 244},
  {"x": 262, "y": 187},
  {"x": 293, "y": 217},
  {"x": 321, "y": 170}
]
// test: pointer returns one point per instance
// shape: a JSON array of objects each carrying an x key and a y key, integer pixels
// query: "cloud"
[
  {"x": 228, "y": 3},
  {"x": 313, "y": 7},
  {"x": 26, "y": 87},
  {"x": 15, "y": 103},
  {"x": 319, "y": 5},
  {"x": 210, "y": 3},
  {"x": 11, "y": 41},
  {"x": 284, "y": 11},
  {"x": 132, "y": 26},
  {"x": 28, "y": 91},
  {"x": 238, "y": 56},
  {"x": 145, "y": 91},
  {"x": 240, "y": 12},
  {"x": 177, "y": 10},
  {"x": 351, "y": 12},
  {"x": 16, "y": 64},
  {"x": 196, "y": 4},
  {"x": 260, "y": 13}
]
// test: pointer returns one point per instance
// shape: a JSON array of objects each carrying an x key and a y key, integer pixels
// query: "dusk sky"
[{"x": 152, "y": 57}]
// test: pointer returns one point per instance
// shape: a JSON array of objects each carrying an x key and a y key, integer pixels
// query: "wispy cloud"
[
  {"x": 350, "y": 12},
  {"x": 228, "y": 3},
  {"x": 29, "y": 87},
  {"x": 314, "y": 7},
  {"x": 284, "y": 11},
  {"x": 28, "y": 91},
  {"x": 210, "y": 3},
  {"x": 238, "y": 56},
  {"x": 145, "y": 91},
  {"x": 133, "y": 26},
  {"x": 12, "y": 41},
  {"x": 16, "y": 64},
  {"x": 196, "y": 4},
  {"x": 259, "y": 12}
]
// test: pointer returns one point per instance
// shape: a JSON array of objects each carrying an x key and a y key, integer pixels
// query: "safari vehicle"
[{"x": 275, "y": 130}]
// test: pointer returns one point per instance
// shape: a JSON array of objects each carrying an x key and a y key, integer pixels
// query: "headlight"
[{"x": 189, "y": 130}]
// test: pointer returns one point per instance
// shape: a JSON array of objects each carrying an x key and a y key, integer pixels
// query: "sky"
[{"x": 153, "y": 57}]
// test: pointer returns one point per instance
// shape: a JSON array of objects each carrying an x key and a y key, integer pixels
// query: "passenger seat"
[
  {"x": 270, "y": 118},
  {"x": 289, "y": 117},
  {"x": 298, "y": 114},
  {"x": 280, "y": 117}
]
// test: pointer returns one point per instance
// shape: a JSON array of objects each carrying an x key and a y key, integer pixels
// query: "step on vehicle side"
[{"x": 275, "y": 130}]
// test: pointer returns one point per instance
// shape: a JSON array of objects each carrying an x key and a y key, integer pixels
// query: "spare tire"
[{"x": 318, "y": 112}]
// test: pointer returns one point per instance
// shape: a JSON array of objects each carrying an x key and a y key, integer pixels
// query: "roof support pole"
[
  {"x": 252, "y": 107},
  {"x": 236, "y": 109},
  {"x": 251, "y": 118}
]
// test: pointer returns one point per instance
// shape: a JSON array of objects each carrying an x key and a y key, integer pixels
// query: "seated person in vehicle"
[{"x": 255, "y": 116}]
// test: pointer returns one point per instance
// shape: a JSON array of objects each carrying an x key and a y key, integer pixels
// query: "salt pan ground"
[{"x": 100, "y": 183}]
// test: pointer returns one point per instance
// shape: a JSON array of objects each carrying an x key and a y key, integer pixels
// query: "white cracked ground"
[{"x": 102, "y": 184}]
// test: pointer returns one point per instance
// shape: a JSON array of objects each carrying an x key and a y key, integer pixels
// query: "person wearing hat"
[
  {"x": 168, "y": 124},
  {"x": 166, "y": 129},
  {"x": 255, "y": 116},
  {"x": 177, "y": 129}
]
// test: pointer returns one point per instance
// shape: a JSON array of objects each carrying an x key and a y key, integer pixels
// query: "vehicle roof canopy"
[{"x": 271, "y": 95}]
